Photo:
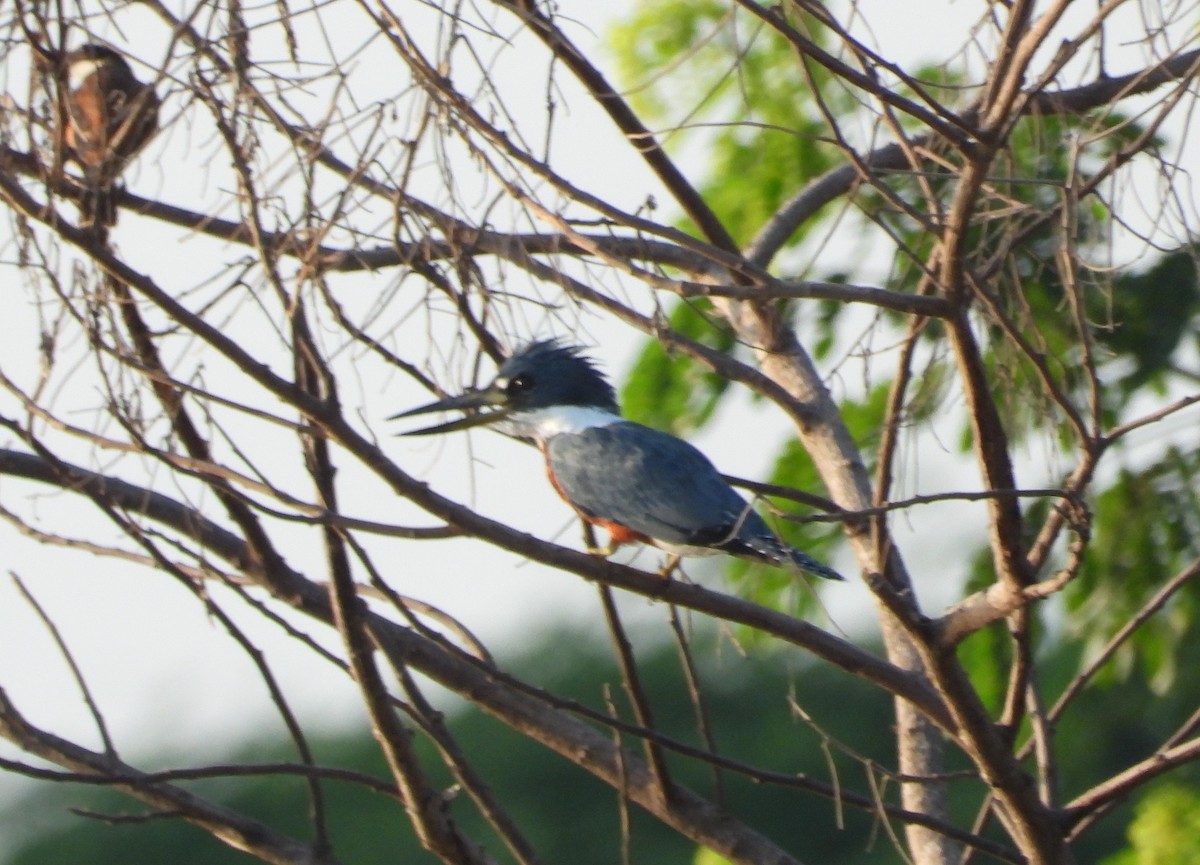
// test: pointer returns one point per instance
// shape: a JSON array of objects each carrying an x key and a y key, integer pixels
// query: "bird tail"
[
  {"x": 810, "y": 565},
  {"x": 778, "y": 553},
  {"x": 97, "y": 207}
]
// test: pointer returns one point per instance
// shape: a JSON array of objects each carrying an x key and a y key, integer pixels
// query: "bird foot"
[
  {"x": 670, "y": 567},
  {"x": 601, "y": 552}
]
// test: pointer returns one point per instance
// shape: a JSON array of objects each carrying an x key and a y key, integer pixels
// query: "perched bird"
[
  {"x": 638, "y": 483},
  {"x": 110, "y": 116}
]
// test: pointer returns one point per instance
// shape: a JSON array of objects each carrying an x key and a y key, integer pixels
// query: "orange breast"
[
  {"x": 619, "y": 535},
  {"x": 87, "y": 129}
]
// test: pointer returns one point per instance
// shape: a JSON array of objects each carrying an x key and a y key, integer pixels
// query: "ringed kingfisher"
[
  {"x": 639, "y": 483},
  {"x": 110, "y": 116}
]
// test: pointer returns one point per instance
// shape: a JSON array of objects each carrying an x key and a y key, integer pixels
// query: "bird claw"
[{"x": 671, "y": 566}]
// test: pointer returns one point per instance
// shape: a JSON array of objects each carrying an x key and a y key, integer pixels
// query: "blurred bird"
[
  {"x": 638, "y": 483},
  {"x": 110, "y": 116}
]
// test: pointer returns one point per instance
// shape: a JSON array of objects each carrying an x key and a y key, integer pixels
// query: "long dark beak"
[{"x": 472, "y": 399}]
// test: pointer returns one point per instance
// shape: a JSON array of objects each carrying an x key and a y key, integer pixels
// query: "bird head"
[
  {"x": 542, "y": 375},
  {"x": 94, "y": 59}
]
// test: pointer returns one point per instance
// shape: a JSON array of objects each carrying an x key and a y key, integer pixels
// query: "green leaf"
[
  {"x": 1165, "y": 829},
  {"x": 1146, "y": 527},
  {"x": 777, "y": 587},
  {"x": 1145, "y": 317},
  {"x": 671, "y": 391},
  {"x": 692, "y": 66},
  {"x": 987, "y": 655},
  {"x": 704, "y": 856}
]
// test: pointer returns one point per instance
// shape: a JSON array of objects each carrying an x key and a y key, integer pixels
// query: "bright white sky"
[{"x": 168, "y": 678}]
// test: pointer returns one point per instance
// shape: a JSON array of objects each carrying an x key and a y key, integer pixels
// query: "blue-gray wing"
[{"x": 651, "y": 482}]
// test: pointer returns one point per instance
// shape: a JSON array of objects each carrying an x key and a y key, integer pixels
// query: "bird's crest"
[{"x": 569, "y": 376}]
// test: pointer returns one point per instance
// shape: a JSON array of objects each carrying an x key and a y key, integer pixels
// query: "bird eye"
[{"x": 519, "y": 384}]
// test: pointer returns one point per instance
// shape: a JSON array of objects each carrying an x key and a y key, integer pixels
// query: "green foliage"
[
  {"x": 824, "y": 314},
  {"x": 987, "y": 656},
  {"x": 1146, "y": 527},
  {"x": 671, "y": 391},
  {"x": 1165, "y": 830},
  {"x": 1040, "y": 162},
  {"x": 557, "y": 804},
  {"x": 657, "y": 35},
  {"x": 1146, "y": 316},
  {"x": 701, "y": 63},
  {"x": 777, "y": 587},
  {"x": 1138, "y": 319},
  {"x": 704, "y": 856},
  {"x": 705, "y": 64},
  {"x": 567, "y": 815},
  {"x": 1031, "y": 290},
  {"x": 731, "y": 66}
]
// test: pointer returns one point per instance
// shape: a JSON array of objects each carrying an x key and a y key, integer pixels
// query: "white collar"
[{"x": 544, "y": 424}]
